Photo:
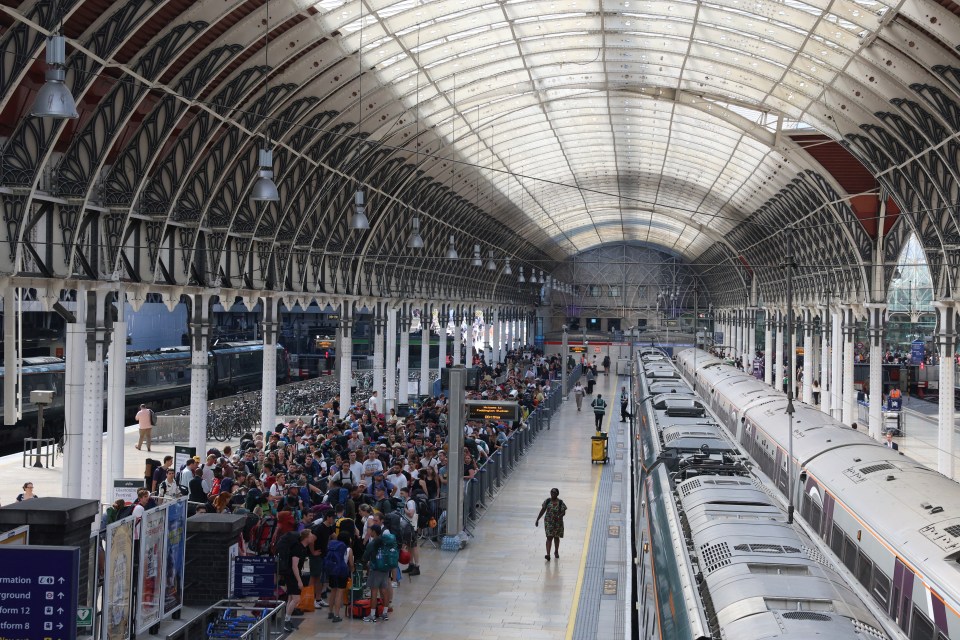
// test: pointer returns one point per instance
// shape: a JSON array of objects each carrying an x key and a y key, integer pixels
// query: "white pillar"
[
  {"x": 345, "y": 356},
  {"x": 76, "y": 355},
  {"x": 457, "y": 336},
  {"x": 836, "y": 363},
  {"x": 741, "y": 333},
  {"x": 425, "y": 320},
  {"x": 379, "y": 328},
  {"x": 875, "y": 320},
  {"x": 496, "y": 337},
  {"x": 826, "y": 356},
  {"x": 116, "y": 395},
  {"x": 442, "y": 353},
  {"x": 767, "y": 346},
  {"x": 404, "y": 373},
  {"x": 97, "y": 339},
  {"x": 199, "y": 371},
  {"x": 946, "y": 342},
  {"x": 792, "y": 354},
  {"x": 807, "y": 389},
  {"x": 390, "y": 394},
  {"x": 10, "y": 347},
  {"x": 268, "y": 389},
  {"x": 751, "y": 338},
  {"x": 849, "y": 393},
  {"x": 779, "y": 366}
]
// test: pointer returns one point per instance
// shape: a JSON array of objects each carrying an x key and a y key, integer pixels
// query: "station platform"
[{"x": 500, "y": 587}]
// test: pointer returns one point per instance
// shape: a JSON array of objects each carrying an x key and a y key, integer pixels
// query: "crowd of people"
[{"x": 357, "y": 478}]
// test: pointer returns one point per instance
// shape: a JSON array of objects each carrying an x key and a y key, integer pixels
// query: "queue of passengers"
[{"x": 361, "y": 467}]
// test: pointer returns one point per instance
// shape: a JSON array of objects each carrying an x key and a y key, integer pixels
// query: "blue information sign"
[
  {"x": 254, "y": 576},
  {"x": 917, "y": 352},
  {"x": 38, "y": 592}
]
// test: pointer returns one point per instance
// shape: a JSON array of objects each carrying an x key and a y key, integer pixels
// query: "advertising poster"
[
  {"x": 118, "y": 581},
  {"x": 18, "y": 536},
  {"x": 153, "y": 534},
  {"x": 175, "y": 555}
]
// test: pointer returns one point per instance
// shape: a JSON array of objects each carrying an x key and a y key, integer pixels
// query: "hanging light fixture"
[
  {"x": 415, "y": 241},
  {"x": 359, "y": 220},
  {"x": 452, "y": 250},
  {"x": 477, "y": 260},
  {"x": 507, "y": 271},
  {"x": 541, "y": 280},
  {"x": 54, "y": 99},
  {"x": 491, "y": 265},
  {"x": 520, "y": 278},
  {"x": 265, "y": 189}
]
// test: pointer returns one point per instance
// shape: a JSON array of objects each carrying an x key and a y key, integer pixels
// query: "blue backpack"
[{"x": 334, "y": 563}]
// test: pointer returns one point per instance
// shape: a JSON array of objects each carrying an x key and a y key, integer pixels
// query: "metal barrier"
[
  {"x": 171, "y": 429},
  {"x": 480, "y": 491},
  {"x": 48, "y": 449},
  {"x": 266, "y": 627}
]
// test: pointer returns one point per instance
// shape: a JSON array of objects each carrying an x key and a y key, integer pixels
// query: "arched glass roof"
[{"x": 601, "y": 121}]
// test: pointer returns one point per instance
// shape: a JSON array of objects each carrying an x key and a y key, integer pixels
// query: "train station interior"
[{"x": 236, "y": 213}]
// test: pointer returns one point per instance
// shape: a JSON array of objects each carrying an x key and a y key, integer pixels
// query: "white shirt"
[
  {"x": 399, "y": 481},
  {"x": 373, "y": 405},
  {"x": 371, "y": 467},
  {"x": 356, "y": 468},
  {"x": 410, "y": 512}
]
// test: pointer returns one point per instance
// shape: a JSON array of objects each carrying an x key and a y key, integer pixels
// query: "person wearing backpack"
[
  {"x": 145, "y": 418},
  {"x": 291, "y": 551},
  {"x": 381, "y": 556},
  {"x": 338, "y": 566}
]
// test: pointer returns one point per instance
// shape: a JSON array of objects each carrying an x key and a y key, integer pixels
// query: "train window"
[
  {"x": 920, "y": 627},
  {"x": 815, "y": 515},
  {"x": 881, "y": 588},
  {"x": 836, "y": 541},
  {"x": 864, "y": 569},
  {"x": 805, "y": 507},
  {"x": 849, "y": 554}
]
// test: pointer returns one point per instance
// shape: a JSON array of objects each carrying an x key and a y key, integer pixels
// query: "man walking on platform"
[
  {"x": 624, "y": 401},
  {"x": 599, "y": 409}
]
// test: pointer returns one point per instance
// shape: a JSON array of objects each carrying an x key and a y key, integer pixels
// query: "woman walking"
[
  {"x": 578, "y": 393},
  {"x": 555, "y": 509}
]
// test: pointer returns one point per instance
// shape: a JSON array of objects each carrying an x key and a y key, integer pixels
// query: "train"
[
  {"x": 891, "y": 521},
  {"x": 161, "y": 377},
  {"x": 716, "y": 556}
]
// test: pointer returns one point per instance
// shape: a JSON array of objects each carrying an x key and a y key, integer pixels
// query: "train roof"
[
  {"x": 756, "y": 564},
  {"x": 861, "y": 472},
  {"x": 686, "y": 437},
  {"x": 881, "y": 481}
]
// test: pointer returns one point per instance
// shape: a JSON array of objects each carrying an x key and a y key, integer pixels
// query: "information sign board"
[
  {"x": 917, "y": 352},
  {"x": 254, "y": 576},
  {"x": 578, "y": 348},
  {"x": 39, "y": 586},
  {"x": 126, "y": 488},
  {"x": 181, "y": 455},
  {"x": 84, "y": 617},
  {"x": 493, "y": 410}
]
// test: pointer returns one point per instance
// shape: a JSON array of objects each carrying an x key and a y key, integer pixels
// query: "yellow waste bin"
[{"x": 599, "y": 448}]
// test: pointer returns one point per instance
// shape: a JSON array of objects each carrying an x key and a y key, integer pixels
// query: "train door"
[{"x": 902, "y": 600}]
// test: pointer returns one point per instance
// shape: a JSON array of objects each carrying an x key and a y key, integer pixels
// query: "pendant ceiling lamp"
[
  {"x": 265, "y": 189},
  {"x": 452, "y": 250},
  {"x": 477, "y": 260},
  {"x": 415, "y": 241},
  {"x": 54, "y": 99}
]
